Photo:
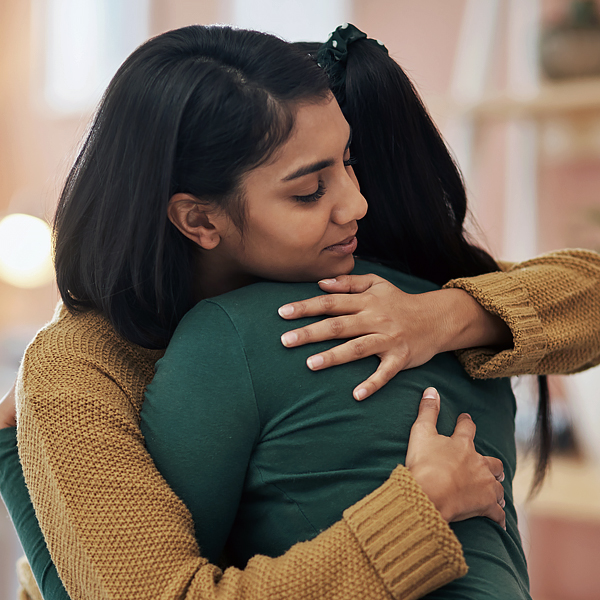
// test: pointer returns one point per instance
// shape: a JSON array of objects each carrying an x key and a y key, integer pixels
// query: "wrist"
[
  {"x": 469, "y": 325},
  {"x": 435, "y": 486}
]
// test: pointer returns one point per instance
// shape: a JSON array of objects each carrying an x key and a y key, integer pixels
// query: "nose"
[{"x": 351, "y": 205}]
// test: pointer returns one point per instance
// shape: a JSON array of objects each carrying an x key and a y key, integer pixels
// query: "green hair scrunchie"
[{"x": 333, "y": 55}]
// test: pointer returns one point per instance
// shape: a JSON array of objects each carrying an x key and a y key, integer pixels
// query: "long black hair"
[
  {"x": 190, "y": 111},
  {"x": 414, "y": 189}
]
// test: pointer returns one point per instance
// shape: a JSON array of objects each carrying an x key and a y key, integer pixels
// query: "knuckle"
[
  {"x": 371, "y": 385},
  {"x": 358, "y": 348},
  {"x": 336, "y": 327},
  {"x": 330, "y": 357},
  {"x": 495, "y": 464},
  {"x": 305, "y": 334},
  {"x": 369, "y": 296},
  {"x": 327, "y": 302},
  {"x": 382, "y": 321},
  {"x": 300, "y": 308}
]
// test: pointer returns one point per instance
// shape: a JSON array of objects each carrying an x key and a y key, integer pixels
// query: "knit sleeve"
[
  {"x": 17, "y": 501},
  {"x": 115, "y": 529},
  {"x": 551, "y": 305}
]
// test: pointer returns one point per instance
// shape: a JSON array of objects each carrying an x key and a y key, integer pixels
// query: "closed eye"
[{"x": 317, "y": 195}]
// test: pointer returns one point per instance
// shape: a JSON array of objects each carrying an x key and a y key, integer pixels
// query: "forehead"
[
  {"x": 320, "y": 133},
  {"x": 316, "y": 124}
]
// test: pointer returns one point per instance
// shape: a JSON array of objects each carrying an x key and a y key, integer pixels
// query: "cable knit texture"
[
  {"x": 552, "y": 306},
  {"x": 115, "y": 529}
]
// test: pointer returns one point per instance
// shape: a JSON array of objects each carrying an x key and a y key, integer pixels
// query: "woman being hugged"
[{"x": 185, "y": 130}]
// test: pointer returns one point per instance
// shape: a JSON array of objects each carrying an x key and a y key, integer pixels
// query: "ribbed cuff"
[
  {"x": 503, "y": 295},
  {"x": 406, "y": 539}
]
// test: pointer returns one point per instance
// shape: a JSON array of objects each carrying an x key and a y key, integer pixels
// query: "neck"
[{"x": 215, "y": 276}]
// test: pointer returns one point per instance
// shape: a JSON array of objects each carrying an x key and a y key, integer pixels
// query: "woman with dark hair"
[
  {"x": 209, "y": 132},
  {"x": 139, "y": 538}
]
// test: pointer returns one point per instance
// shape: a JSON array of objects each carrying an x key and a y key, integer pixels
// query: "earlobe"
[{"x": 194, "y": 219}]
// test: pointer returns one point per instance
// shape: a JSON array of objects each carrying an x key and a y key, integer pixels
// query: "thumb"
[
  {"x": 429, "y": 410},
  {"x": 353, "y": 284}
]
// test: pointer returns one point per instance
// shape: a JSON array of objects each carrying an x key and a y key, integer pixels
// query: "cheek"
[
  {"x": 311, "y": 231},
  {"x": 301, "y": 228}
]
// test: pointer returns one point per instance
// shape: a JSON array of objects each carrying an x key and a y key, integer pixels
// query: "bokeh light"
[{"x": 25, "y": 251}]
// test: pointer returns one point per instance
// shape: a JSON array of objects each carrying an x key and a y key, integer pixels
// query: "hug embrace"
[{"x": 177, "y": 440}]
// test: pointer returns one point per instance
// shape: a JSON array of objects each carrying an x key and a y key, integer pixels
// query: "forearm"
[
  {"x": 469, "y": 325},
  {"x": 551, "y": 305},
  {"x": 393, "y": 544},
  {"x": 15, "y": 496}
]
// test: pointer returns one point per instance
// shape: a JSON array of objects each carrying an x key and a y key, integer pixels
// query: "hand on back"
[
  {"x": 404, "y": 330},
  {"x": 459, "y": 481}
]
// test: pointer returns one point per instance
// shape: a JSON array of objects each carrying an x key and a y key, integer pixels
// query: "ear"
[{"x": 198, "y": 221}]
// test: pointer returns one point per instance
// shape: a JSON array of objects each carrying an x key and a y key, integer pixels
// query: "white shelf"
[{"x": 570, "y": 97}]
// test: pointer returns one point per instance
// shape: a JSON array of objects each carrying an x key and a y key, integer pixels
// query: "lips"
[
  {"x": 349, "y": 239},
  {"x": 345, "y": 246},
  {"x": 344, "y": 242}
]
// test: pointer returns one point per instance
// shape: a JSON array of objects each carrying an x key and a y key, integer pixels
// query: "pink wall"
[{"x": 420, "y": 35}]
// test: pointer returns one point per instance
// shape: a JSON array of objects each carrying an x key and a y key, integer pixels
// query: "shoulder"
[
  {"x": 251, "y": 308},
  {"x": 76, "y": 343},
  {"x": 406, "y": 282}
]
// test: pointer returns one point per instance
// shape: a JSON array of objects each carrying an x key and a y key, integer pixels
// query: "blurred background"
[{"x": 514, "y": 85}]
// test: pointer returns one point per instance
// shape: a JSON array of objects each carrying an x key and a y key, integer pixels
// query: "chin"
[
  {"x": 339, "y": 267},
  {"x": 343, "y": 268}
]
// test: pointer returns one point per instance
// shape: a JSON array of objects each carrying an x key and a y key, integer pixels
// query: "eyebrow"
[{"x": 317, "y": 166}]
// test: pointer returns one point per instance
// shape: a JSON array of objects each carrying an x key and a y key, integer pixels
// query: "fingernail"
[
  {"x": 289, "y": 338},
  {"x": 431, "y": 392},
  {"x": 360, "y": 394},
  {"x": 327, "y": 281},
  {"x": 286, "y": 311},
  {"x": 315, "y": 362},
  {"x": 501, "y": 478}
]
